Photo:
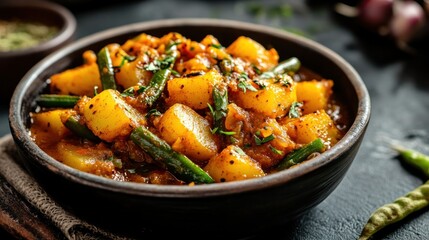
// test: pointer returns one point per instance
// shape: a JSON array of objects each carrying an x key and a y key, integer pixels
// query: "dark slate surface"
[{"x": 398, "y": 85}]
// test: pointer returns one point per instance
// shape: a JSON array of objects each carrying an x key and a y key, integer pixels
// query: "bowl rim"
[
  {"x": 351, "y": 137},
  {"x": 66, "y": 31}
]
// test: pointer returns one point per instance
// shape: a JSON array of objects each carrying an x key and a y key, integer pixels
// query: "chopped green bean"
[
  {"x": 180, "y": 165},
  {"x": 77, "y": 128},
  {"x": 289, "y": 65},
  {"x": 105, "y": 67},
  {"x": 301, "y": 154},
  {"x": 54, "y": 100}
]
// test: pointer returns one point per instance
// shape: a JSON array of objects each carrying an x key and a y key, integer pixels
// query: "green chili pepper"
[
  {"x": 414, "y": 158},
  {"x": 396, "y": 211}
]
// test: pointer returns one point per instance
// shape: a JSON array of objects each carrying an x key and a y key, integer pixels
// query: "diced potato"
[
  {"x": 77, "y": 81},
  {"x": 199, "y": 63},
  {"x": 131, "y": 73},
  {"x": 272, "y": 101},
  {"x": 47, "y": 126},
  {"x": 91, "y": 160},
  {"x": 195, "y": 92},
  {"x": 110, "y": 117},
  {"x": 249, "y": 49},
  {"x": 188, "y": 133},
  {"x": 314, "y": 94},
  {"x": 314, "y": 125},
  {"x": 233, "y": 164}
]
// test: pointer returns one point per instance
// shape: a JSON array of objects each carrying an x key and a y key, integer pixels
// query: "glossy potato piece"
[
  {"x": 248, "y": 49},
  {"x": 76, "y": 81},
  {"x": 314, "y": 94},
  {"x": 110, "y": 117},
  {"x": 188, "y": 133},
  {"x": 232, "y": 164},
  {"x": 272, "y": 101},
  {"x": 47, "y": 126},
  {"x": 195, "y": 92},
  {"x": 91, "y": 160},
  {"x": 314, "y": 125}
]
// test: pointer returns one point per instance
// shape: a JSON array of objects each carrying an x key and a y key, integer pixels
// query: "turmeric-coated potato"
[
  {"x": 47, "y": 126},
  {"x": 233, "y": 164},
  {"x": 272, "y": 101},
  {"x": 195, "y": 92},
  {"x": 188, "y": 133},
  {"x": 77, "y": 81},
  {"x": 314, "y": 94},
  {"x": 250, "y": 50},
  {"x": 109, "y": 117},
  {"x": 314, "y": 125}
]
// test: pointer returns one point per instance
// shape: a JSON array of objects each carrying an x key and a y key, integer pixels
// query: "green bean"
[
  {"x": 105, "y": 67},
  {"x": 414, "y": 158},
  {"x": 289, "y": 65},
  {"x": 55, "y": 100},
  {"x": 396, "y": 211},
  {"x": 155, "y": 87},
  {"x": 72, "y": 123},
  {"x": 180, "y": 165},
  {"x": 301, "y": 154}
]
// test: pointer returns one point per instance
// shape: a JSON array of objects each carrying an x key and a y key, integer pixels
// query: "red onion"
[
  {"x": 375, "y": 13},
  {"x": 408, "y": 19}
]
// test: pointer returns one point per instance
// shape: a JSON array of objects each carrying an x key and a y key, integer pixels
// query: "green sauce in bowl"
[{"x": 16, "y": 34}]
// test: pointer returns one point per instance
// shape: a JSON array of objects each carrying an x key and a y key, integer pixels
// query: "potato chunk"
[
  {"x": 272, "y": 101},
  {"x": 233, "y": 164},
  {"x": 91, "y": 160},
  {"x": 77, "y": 81},
  {"x": 248, "y": 49},
  {"x": 188, "y": 133},
  {"x": 314, "y": 125},
  {"x": 314, "y": 94},
  {"x": 47, "y": 126},
  {"x": 195, "y": 92},
  {"x": 110, "y": 117}
]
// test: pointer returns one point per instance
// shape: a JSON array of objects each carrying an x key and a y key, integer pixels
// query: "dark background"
[{"x": 398, "y": 84}]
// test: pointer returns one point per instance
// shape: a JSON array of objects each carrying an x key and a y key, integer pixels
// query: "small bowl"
[
  {"x": 15, "y": 63},
  {"x": 237, "y": 208}
]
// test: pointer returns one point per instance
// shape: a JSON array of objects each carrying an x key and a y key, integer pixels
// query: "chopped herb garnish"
[
  {"x": 117, "y": 162},
  {"x": 257, "y": 70},
  {"x": 218, "y": 46},
  {"x": 157, "y": 64},
  {"x": 244, "y": 85},
  {"x": 260, "y": 83},
  {"x": 260, "y": 141},
  {"x": 153, "y": 112},
  {"x": 276, "y": 151},
  {"x": 129, "y": 92},
  {"x": 295, "y": 110},
  {"x": 95, "y": 90}
]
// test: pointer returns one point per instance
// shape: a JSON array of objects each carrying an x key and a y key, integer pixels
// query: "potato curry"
[{"x": 172, "y": 110}]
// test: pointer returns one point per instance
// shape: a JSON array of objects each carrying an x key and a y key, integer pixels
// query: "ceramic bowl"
[
  {"x": 15, "y": 63},
  {"x": 233, "y": 208}
]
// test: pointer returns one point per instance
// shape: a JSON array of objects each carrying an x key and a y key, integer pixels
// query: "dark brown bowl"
[
  {"x": 236, "y": 208},
  {"x": 14, "y": 64}
]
